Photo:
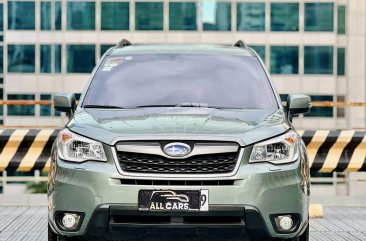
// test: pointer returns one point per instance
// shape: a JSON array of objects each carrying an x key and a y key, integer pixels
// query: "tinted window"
[
  {"x": 341, "y": 19},
  {"x": 319, "y": 16},
  {"x": 261, "y": 51},
  {"x": 182, "y": 16},
  {"x": 21, "y": 15},
  {"x": 216, "y": 16},
  {"x": 21, "y": 109},
  {"x": 149, "y": 16},
  {"x": 284, "y": 17},
  {"x": 284, "y": 59},
  {"x": 251, "y": 16},
  {"x": 115, "y": 16},
  {"x": 80, "y": 58},
  {"x": 51, "y": 15},
  {"x": 80, "y": 15},
  {"x": 341, "y": 61},
  {"x": 318, "y": 60},
  {"x": 21, "y": 58},
  {"x": 219, "y": 80}
]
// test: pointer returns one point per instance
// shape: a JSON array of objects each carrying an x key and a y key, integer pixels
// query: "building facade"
[{"x": 311, "y": 47}]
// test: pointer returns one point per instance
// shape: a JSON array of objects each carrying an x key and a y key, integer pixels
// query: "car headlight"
[
  {"x": 279, "y": 150},
  {"x": 76, "y": 148}
]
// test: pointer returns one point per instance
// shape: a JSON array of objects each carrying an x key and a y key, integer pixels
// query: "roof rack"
[
  {"x": 241, "y": 44},
  {"x": 123, "y": 43}
]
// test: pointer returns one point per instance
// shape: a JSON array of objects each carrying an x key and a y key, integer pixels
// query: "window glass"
[
  {"x": 15, "y": 110},
  {"x": 21, "y": 15},
  {"x": 45, "y": 58},
  {"x": 239, "y": 82},
  {"x": 216, "y": 16},
  {"x": 1, "y": 60},
  {"x": 80, "y": 58},
  {"x": 318, "y": 60},
  {"x": 21, "y": 58},
  {"x": 284, "y": 17},
  {"x": 80, "y": 16},
  {"x": 51, "y": 21},
  {"x": 250, "y": 16},
  {"x": 261, "y": 51},
  {"x": 149, "y": 16},
  {"x": 45, "y": 110},
  {"x": 47, "y": 61},
  {"x": 320, "y": 111},
  {"x": 341, "y": 61},
  {"x": 1, "y": 17},
  {"x": 115, "y": 16},
  {"x": 105, "y": 47},
  {"x": 58, "y": 56},
  {"x": 341, "y": 19},
  {"x": 1, "y": 97},
  {"x": 182, "y": 16},
  {"x": 319, "y": 16},
  {"x": 284, "y": 59}
]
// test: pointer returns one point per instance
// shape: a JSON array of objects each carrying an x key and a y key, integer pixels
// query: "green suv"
[{"x": 179, "y": 141}]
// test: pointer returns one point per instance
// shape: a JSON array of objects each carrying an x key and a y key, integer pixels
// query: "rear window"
[{"x": 170, "y": 79}]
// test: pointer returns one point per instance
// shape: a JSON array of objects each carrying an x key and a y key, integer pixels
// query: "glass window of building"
[
  {"x": 21, "y": 58},
  {"x": 284, "y": 60},
  {"x": 1, "y": 17},
  {"x": 1, "y": 98},
  {"x": 21, "y": 15},
  {"x": 182, "y": 16},
  {"x": 51, "y": 15},
  {"x": 115, "y": 16},
  {"x": 341, "y": 61},
  {"x": 251, "y": 16},
  {"x": 149, "y": 16},
  {"x": 80, "y": 58},
  {"x": 321, "y": 111},
  {"x": 319, "y": 17},
  {"x": 341, "y": 19},
  {"x": 318, "y": 60},
  {"x": 45, "y": 110},
  {"x": 1, "y": 60},
  {"x": 105, "y": 47},
  {"x": 80, "y": 16},
  {"x": 261, "y": 51},
  {"x": 50, "y": 56},
  {"x": 216, "y": 16},
  {"x": 284, "y": 17},
  {"x": 15, "y": 110}
]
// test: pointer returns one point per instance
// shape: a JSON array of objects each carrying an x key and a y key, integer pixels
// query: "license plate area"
[{"x": 173, "y": 200}]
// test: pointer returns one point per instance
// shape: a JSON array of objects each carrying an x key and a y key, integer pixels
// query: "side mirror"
[
  {"x": 298, "y": 104},
  {"x": 65, "y": 103}
]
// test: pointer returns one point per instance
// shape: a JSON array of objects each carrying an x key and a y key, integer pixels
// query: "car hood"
[{"x": 244, "y": 126}]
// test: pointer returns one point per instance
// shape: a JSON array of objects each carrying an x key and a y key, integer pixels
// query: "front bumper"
[{"x": 258, "y": 191}]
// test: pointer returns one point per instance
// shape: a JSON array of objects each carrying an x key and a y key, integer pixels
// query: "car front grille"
[{"x": 220, "y": 163}]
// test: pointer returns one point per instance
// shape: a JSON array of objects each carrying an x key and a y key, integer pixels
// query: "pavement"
[{"x": 29, "y": 223}]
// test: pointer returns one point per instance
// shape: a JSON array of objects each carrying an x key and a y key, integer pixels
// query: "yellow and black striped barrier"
[
  {"x": 26, "y": 149},
  {"x": 328, "y": 151}
]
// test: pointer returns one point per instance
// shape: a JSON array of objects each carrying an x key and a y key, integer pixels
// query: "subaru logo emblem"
[{"x": 177, "y": 149}]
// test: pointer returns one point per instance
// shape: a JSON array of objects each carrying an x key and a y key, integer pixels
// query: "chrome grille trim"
[
  {"x": 177, "y": 176},
  {"x": 154, "y": 148}
]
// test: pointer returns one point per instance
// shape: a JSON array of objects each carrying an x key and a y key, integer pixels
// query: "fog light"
[
  {"x": 286, "y": 222},
  {"x": 70, "y": 221}
]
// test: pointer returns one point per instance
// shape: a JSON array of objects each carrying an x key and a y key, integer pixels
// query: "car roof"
[{"x": 181, "y": 49}]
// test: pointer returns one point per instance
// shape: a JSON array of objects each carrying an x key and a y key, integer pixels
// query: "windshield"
[{"x": 230, "y": 81}]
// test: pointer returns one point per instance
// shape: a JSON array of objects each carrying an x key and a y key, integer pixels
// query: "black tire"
[
  {"x": 52, "y": 236},
  {"x": 305, "y": 236}
]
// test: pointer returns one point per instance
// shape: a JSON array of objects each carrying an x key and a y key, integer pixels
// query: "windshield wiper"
[
  {"x": 103, "y": 106},
  {"x": 148, "y": 106}
]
